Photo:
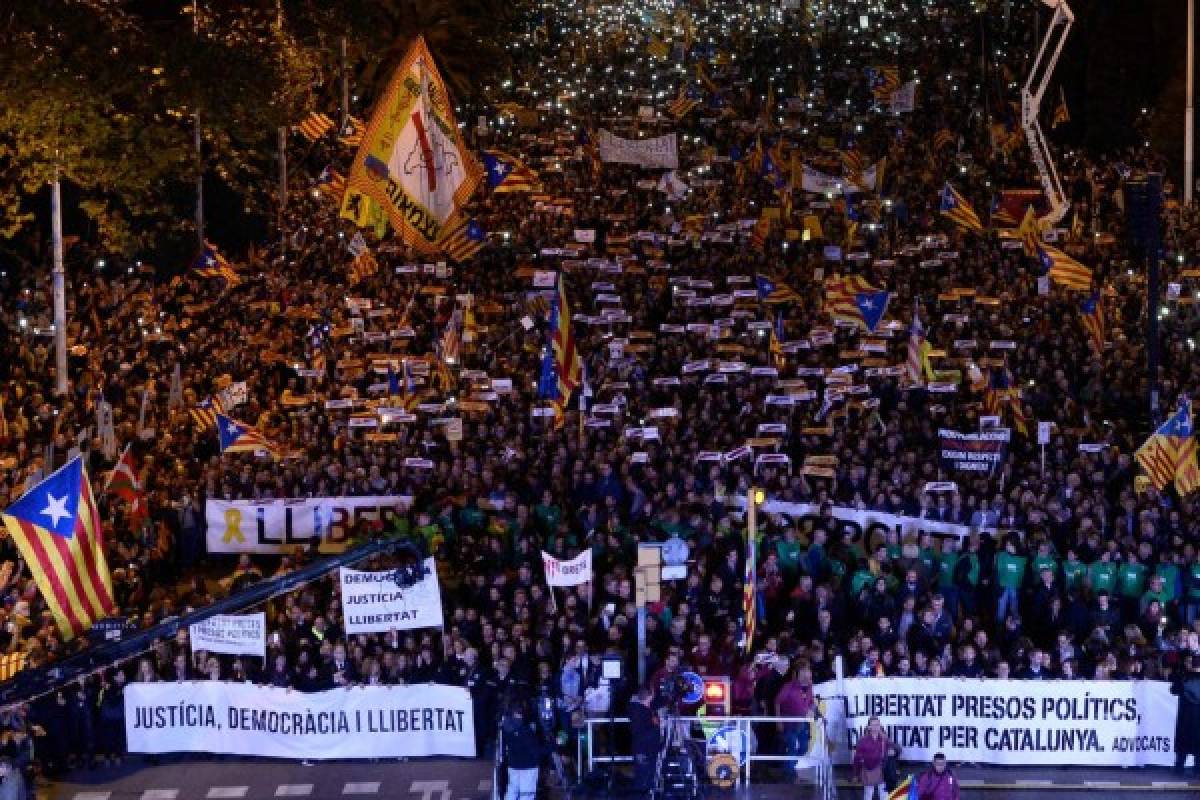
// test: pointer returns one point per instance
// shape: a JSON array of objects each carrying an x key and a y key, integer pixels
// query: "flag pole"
[
  {"x": 1189, "y": 157},
  {"x": 58, "y": 277},
  {"x": 345, "y": 84},
  {"x": 196, "y": 141},
  {"x": 283, "y": 188}
]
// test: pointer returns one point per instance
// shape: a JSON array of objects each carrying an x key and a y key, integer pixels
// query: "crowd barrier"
[{"x": 732, "y": 736}]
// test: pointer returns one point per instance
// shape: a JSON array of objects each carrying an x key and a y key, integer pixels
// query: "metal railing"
[
  {"x": 734, "y": 729},
  {"x": 30, "y": 684}
]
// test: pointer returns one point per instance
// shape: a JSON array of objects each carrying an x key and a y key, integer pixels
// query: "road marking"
[
  {"x": 294, "y": 790},
  {"x": 228, "y": 791},
  {"x": 1170, "y": 784},
  {"x": 431, "y": 790},
  {"x": 92, "y": 795},
  {"x": 363, "y": 787},
  {"x": 1102, "y": 784},
  {"x": 160, "y": 794},
  {"x": 1035, "y": 782},
  {"x": 970, "y": 782}
]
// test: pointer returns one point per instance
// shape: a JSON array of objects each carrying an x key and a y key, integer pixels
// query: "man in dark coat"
[
  {"x": 1186, "y": 686},
  {"x": 644, "y": 730}
]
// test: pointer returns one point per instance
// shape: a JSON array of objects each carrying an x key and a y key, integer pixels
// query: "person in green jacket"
[
  {"x": 1131, "y": 579},
  {"x": 1010, "y": 574},
  {"x": 1074, "y": 571},
  {"x": 947, "y": 560},
  {"x": 1169, "y": 571},
  {"x": 1044, "y": 559},
  {"x": 1102, "y": 574},
  {"x": 788, "y": 551}
]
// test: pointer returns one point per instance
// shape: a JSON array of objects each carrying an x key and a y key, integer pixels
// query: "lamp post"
[{"x": 1188, "y": 119}]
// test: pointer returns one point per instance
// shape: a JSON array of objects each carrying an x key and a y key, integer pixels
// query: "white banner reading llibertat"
[
  {"x": 659, "y": 152},
  {"x": 248, "y": 720},
  {"x": 373, "y": 603},
  {"x": 1013, "y": 722},
  {"x": 239, "y": 635},
  {"x": 280, "y": 526}
]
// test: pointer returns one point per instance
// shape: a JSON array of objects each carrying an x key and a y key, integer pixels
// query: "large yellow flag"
[{"x": 412, "y": 160}]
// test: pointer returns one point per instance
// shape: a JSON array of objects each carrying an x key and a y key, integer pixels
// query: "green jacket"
[{"x": 1010, "y": 570}]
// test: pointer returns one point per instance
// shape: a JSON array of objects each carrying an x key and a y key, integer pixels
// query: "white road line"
[
  {"x": 971, "y": 782},
  {"x": 92, "y": 795},
  {"x": 364, "y": 787},
  {"x": 1034, "y": 782},
  {"x": 294, "y": 790},
  {"x": 228, "y": 792},
  {"x": 1170, "y": 784},
  {"x": 160, "y": 794},
  {"x": 1102, "y": 784}
]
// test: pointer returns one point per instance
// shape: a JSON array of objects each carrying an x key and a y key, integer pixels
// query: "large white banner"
[
  {"x": 373, "y": 603},
  {"x": 859, "y": 523},
  {"x": 813, "y": 180},
  {"x": 241, "y": 634},
  {"x": 659, "y": 152},
  {"x": 1017, "y": 723},
  {"x": 572, "y": 572},
  {"x": 280, "y": 526},
  {"x": 248, "y": 720}
]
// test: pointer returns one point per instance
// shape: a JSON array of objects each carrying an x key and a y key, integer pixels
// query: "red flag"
[{"x": 123, "y": 483}]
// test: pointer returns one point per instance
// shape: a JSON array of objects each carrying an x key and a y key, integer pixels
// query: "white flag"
[{"x": 568, "y": 573}]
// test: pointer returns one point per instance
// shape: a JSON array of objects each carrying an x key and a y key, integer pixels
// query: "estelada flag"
[
  {"x": 57, "y": 529},
  {"x": 412, "y": 160}
]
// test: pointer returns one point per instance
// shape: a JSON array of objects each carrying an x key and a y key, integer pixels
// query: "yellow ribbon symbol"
[{"x": 233, "y": 531}]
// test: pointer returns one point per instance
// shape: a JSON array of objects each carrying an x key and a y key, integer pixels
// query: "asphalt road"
[{"x": 180, "y": 778}]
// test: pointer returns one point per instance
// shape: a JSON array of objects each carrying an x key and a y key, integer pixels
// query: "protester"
[
  {"x": 1187, "y": 723},
  {"x": 1060, "y": 563},
  {"x": 870, "y": 753},
  {"x": 937, "y": 782}
]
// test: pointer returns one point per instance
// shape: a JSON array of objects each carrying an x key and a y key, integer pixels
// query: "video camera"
[{"x": 671, "y": 690}]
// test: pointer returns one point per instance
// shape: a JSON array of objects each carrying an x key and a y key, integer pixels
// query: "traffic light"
[{"x": 716, "y": 697}]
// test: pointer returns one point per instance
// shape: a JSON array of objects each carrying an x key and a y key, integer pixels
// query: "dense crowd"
[{"x": 1083, "y": 571}]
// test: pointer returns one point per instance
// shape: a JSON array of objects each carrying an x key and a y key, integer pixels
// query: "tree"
[{"x": 102, "y": 91}]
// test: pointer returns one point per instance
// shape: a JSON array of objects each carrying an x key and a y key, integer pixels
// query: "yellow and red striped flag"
[
  {"x": 1091, "y": 315},
  {"x": 11, "y": 664},
  {"x": 568, "y": 367},
  {"x": 462, "y": 238},
  {"x": 1169, "y": 454},
  {"x": 56, "y": 527},
  {"x": 362, "y": 267},
  {"x": 750, "y": 590},
  {"x": 1064, "y": 270},
  {"x": 351, "y": 134},
  {"x": 315, "y": 126},
  {"x": 955, "y": 208}
]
